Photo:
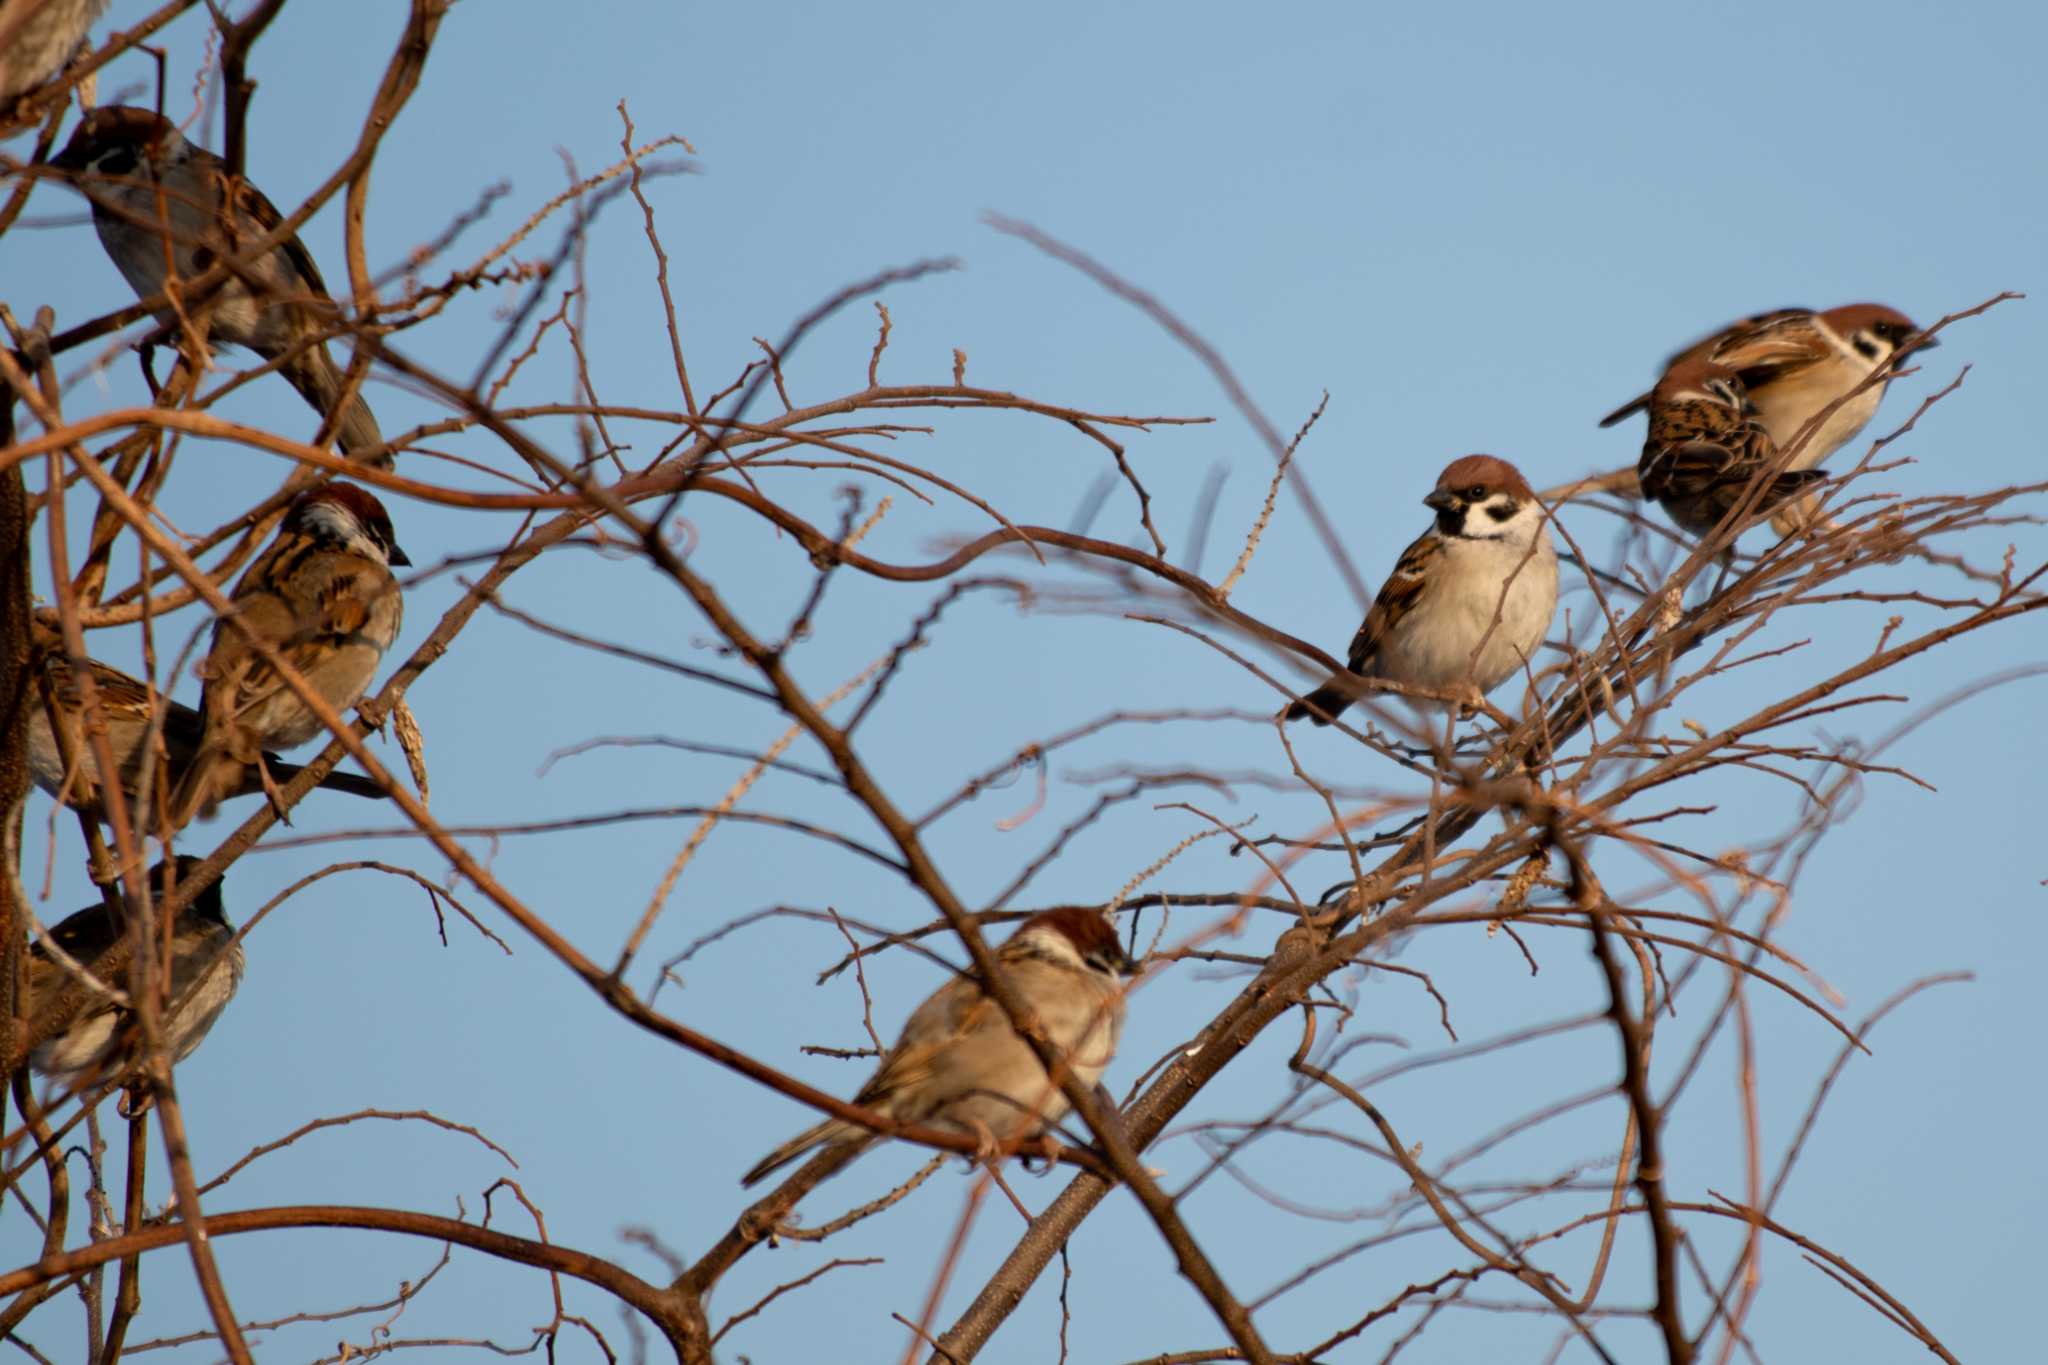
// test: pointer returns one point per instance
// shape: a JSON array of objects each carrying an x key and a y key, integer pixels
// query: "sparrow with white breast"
[
  {"x": 168, "y": 211},
  {"x": 323, "y": 596},
  {"x": 1468, "y": 602},
  {"x": 1793, "y": 363},
  {"x": 204, "y": 974},
  {"x": 1707, "y": 445},
  {"x": 959, "y": 1065},
  {"x": 125, "y": 704}
]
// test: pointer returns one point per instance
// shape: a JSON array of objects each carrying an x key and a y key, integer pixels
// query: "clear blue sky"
[{"x": 1478, "y": 228}]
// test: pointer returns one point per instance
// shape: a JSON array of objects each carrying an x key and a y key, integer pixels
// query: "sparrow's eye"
[
  {"x": 1476, "y": 493},
  {"x": 118, "y": 161}
]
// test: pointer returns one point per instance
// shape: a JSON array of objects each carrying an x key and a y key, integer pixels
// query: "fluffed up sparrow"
[
  {"x": 1707, "y": 445},
  {"x": 1794, "y": 362},
  {"x": 168, "y": 211},
  {"x": 324, "y": 597},
  {"x": 124, "y": 701},
  {"x": 1467, "y": 604},
  {"x": 204, "y": 975},
  {"x": 37, "y": 38},
  {"x": 959, "y": 1065}
]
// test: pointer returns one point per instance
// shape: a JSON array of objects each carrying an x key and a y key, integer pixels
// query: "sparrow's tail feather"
[
  {"x": 832, "y": 1132},
  {"x": 1626, "y": 410},
  {"x": 1791, "y": 484},
  {"x": 1329, "y": 702},
  {"x": 210, "y": 776},
  {"x": 319, "y": 382},
  {"x": 354, "y": 784}
]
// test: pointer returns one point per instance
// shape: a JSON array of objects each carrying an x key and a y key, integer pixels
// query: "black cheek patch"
[
  {"x": 1865, "y": 347},
  {"x": 1502, "y": 511}
]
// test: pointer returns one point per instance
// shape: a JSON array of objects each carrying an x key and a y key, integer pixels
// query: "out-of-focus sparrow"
[
  {"x": 37, "y": 37},
  {"x": 1706, "y": 445},
  {"x": 324, "y": 597},
  {"x": 959, "y": 1064},
  {"x": 1794, "y": 362},
  {"x": 125, "y": 703},
  {"x": 168, "y": 211},
  {"x": 204, "y": 975},
  {"x": 1467, "y": 603}
]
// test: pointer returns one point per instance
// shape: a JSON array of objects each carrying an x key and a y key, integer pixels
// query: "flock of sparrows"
[
  {"x": 1738, "y": 421},
  {"x": 321, "y": 598},
  {"x": 1466, "y": 607}
]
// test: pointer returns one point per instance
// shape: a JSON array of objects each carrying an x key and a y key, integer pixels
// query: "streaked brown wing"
[
  {"x": 954, "y": 1011},
  {"x": 1763, "y": 336},
  {"x": 1777, "y": 344},
  {"x": 1398, "y": 596},
  {"x": 260, "y": 211},
  {"x": 1740, "y": 333}
]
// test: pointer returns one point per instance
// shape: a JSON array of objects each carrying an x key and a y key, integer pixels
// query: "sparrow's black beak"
[
  {"x": 398, "y": 557},
  {"x": 1441, "y": 499},
  {"x": 1925, "y": 343}
]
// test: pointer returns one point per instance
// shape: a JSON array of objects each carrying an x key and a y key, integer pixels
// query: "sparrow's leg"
[
  {"x": 1727, "y": 558},
  {"x": 1040, "y": 1163},
  {"x": 270, "y": 790},
  {"x": 985, "y": 1144},
  {"x": 145, "y": 355},
  {"x": 136, "y": 1099}
]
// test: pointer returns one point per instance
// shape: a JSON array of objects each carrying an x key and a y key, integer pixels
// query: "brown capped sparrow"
[
  {"x": 168, "y": 211},
  {"x": 959, "y": 1065},
  {"x": 1706, "y": 445},
  {"x": 124, "y": 702},
  {"x": 324, "y": 597},
  {"x": 37, "y": 38},
  {"x": 1793, "y": 363},
  {"x": 204, "y": 974},
  {"x": 1467, "y": 603}
]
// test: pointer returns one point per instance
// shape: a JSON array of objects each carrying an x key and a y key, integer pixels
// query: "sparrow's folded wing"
[
  {"x": 1777, "y": 345},
  {"x": 1750, "y": 332},
  {"x": 1398, "y": 596},
  {"x": 256, "y": 209},
  {"x": 953, "y": 1011}
]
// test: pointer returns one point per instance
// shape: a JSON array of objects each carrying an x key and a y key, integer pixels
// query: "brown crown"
[
  {"x": 1692, "y": 372},
  {"x": 362, "y": 505},
  {"x": 111, "y": 124},
  {"x": 1854, "y": 317},
  {"x": 1487, "y": 471},
  {"x": 1086, "y": 929}
]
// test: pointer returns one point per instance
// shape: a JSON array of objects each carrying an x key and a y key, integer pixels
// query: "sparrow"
[
  {"x": 205, "y": 971},
  {"x": 1707, "y": 444},
  {"x": 1487, "y": 556},
  {"x": 958, "y": 1063},
  {"x": 324, "y": 597},
  {"x": 167, "y": 211},
  {"x": 1794, "y": 362},
  {"x": 125, "y": 703},
  {"x": 37, "y": 38}
]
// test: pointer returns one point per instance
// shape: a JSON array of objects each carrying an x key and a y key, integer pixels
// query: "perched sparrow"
[
  {"x": 959, "y": 1064},
  {"x": 204, "y": 975},
  {"x": 1706, "y": 445},
  {"x": 1488, "y": 556},
  {"x": 1794, "y": 362},
  {"x": 125, "y": 703},
  {"x": 324, "y": 597},
  {"x": 37, "y": 37},
  {"x": 167, "y": 211}
]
